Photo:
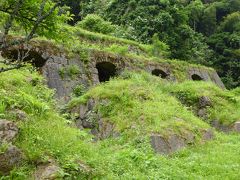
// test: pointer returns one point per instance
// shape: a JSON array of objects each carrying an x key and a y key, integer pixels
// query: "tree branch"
[
  {"x": 17, "y": 66},
  {"x": 21, "y": 16},
  {"x": 9, "y": 22},
  {"x": 37, "y": 23},
  {"x": 40, "y": 18}
]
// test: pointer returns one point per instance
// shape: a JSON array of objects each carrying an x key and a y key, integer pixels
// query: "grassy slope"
[
  {"x": 140, "y": 102},
  {"x": 148, "y": 107},
  {"x": 46, "y": 134},
  {"x": 145, "y": 97},
  {"x": 225, "y": 104}
]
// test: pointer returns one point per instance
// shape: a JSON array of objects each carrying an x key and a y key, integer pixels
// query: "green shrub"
[
  {"x": 73, "y": 71},
  {"x": 236, "y": 91},
  {"x": 61, "y": 72},
  {"x": 95, "y": 23},
  {"x": 158, "y": 48},
  {"x": 84, "y": 55},
  {"x": 79, "y": 90}
]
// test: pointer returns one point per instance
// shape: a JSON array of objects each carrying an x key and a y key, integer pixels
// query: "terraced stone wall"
[{"x": 64, "y": 73}]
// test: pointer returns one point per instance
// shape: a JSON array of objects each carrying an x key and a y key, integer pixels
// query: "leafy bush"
[
  {"x": 79, "y": 90},
  {"x": 61, "y": 72},
  {"x": 95, "y": 23},
  {"x": 158, "y": 48},
  {"x": 73, "y": 70},
  {"x": 231, "y": 23}
]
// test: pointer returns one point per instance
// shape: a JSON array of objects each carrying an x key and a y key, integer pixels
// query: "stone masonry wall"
[{"x": 58, "y": 67}]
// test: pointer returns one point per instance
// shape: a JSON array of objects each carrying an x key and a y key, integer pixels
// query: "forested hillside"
[
  {"x": 199, "y": 31},
  {"x": 119, "y": 89}
]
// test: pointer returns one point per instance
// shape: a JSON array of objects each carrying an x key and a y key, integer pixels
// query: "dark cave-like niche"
[
  {"x": 106, "y": 70},
  {"x": 159, "y": 73},
  {"x": 196, "y": 77},
  {"x": 32, "y": 57}
]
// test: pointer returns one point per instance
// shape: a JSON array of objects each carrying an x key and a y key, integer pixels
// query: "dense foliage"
[
  {"x": 206, "y": 32},
  {"x": 95, "y": 23},
  {"x": 27, "y": 16}
]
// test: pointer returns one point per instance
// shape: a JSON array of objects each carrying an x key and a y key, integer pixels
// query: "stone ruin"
[
  {"x": 54, "y": 62},
  {"x": 64, "y": 73}
]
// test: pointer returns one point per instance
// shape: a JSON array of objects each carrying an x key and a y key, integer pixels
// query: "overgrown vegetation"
[
  {"x": 199, "y": 31},
  {"x": 95, "y": 23},
  {"x": 104, "y": 42},
  {"x": 140, "y": 101},
  {"x": 137, "y": 104},
  {"x": 223, "y": 102},
  {"x": 43, "y": 18}
]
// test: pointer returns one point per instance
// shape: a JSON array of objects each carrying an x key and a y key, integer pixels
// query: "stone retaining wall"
[{"x": 58, "y": 67}]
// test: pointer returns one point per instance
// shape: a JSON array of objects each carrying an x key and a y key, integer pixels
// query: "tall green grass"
[{"x": 138, "y": 104}]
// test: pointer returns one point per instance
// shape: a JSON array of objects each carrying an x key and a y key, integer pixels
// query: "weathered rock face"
[
  {"x": 167, "y": 145},
  {"x": 89, "y": 74},
  {"x": 204, "y": 101},
  {"x": 65, "y": 83},
  {"x": 204, "y": 75},
  {"x": 173, "y": 143},
  {"x": 10, "y": 158},
  {"x": 236, "y": 126},
  {"x": 49, "y": 171},
  {"x": 87, "y": 117},
  {"x": 221, "y": 127},
  {"x": 207, "y": 135},
  {"x": 203, "y": 104},
  {"x": 90, "y": 118},
  {"x": 202, "y": 112},
  {"x": 83, "y": 167},
  {"x": 19, "y": 114},
  {"x": 8, "y": 131},
  {"x": 105, "y": 130},
  {"x": 226, "y": 128}
]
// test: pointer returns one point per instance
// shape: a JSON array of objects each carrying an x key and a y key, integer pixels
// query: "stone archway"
[
  {"x": 160, "y": 73},
  {"x": 106, "y": 70},
  {"x": 33, "y": 57},
  {"x": 196, "y": 77}
]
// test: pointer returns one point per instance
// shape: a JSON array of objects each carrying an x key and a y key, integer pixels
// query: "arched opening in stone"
[
  {"x": 32, "y": 57},
  {"x": 106, "y": 70},
  {"x": 196, "y": 77},
  {"x": 160, "y": 73}
]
